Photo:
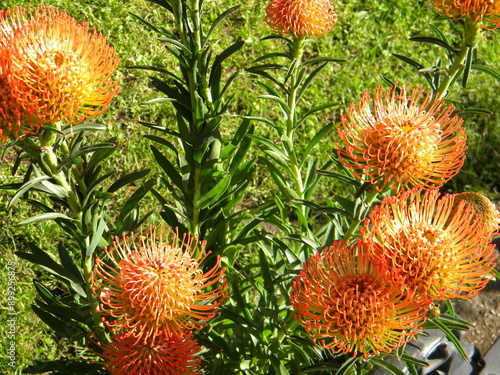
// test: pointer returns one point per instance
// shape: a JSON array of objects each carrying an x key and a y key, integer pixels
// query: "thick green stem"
[
  {"x": 291, "y": 123},
  {"x": 472, "y": 36},
  {"x": 455, "y": 68}
]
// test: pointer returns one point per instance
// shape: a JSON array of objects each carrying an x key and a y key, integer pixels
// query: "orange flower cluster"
[
  {"x": 52, "y": 68},
  {"x": 404, "y": 139},
  {"x": 372, "y": 296},
  {"x": 301, "y": 18},
  {"x": 483, "y": 11},
  {"x": 169, "y": 355},
  {"x": 152, "y": 289},
  {"x": 345, "y": 303}
]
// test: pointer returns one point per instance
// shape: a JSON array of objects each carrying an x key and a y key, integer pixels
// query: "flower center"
[
  {"x": 401, "y": 148},
  {"x": 357, "y": 307},
  {"x": 159, "y": 290},
  {"x": 61, "y": 80}
]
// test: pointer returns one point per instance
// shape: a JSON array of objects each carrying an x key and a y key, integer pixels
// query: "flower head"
[
  {"x": 301, "y": 18},
  {"x": 167, "y": 355},
  {"x": 154, "y": 282},
  {"x": 439, "y": 251},
  {"x": 14, "y": 119},
  {"x": 482, "y": 11},
  {"x": 402, "y": 139},
  {"x": 52, "y": 68},
  {"x": 482, "y": 206},
  {"x": 347, "y": 304}
]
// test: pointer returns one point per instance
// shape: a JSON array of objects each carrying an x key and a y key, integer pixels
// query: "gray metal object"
[{"x": 444, "y": 359}]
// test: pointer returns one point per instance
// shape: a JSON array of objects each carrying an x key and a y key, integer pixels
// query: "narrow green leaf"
[
  {"x": 128, "y": 179},
  {"x": 314, "y": 110},
  {"x": 67, "y": 262},
  {"x": 318, "y": 137},
  {"x": 485, "y": 69},
  {"x": 44, "y": 217},
  {"x": 97, "y": 234},
  {"x": 310, "y": 78},
  {"x": 387, "y": 81},
  {"x": 305, "y": 240},
  {"x": 219, "y": 19},
  {"x": 283, "y": 104},
  {"x": 75, "y": 129},
  {"x": 219, "y": 59},
  {"x": 214, "y": 194},
  {"x": 437, "y": 42},
  {"x": 26, "y": 187},
  {"x": 449, "y": 334},
  {"x": 467, "y": 68},
  {"x": 389, "y": 367},
  {"x": 168, "y": 168},
  {"x": 134, "y": 200},
  {"x": 409, "y": 61}
]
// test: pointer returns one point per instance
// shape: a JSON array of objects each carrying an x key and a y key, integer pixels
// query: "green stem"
[
  {"x": 472, "y": 36},
  {"x": 455, "y": 68},
  {"x": 195, "y": 221},
  {"x": 291, "y": 124}
]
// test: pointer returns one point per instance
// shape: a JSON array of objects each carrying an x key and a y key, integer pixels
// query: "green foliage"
[{"x": 203, "y": 148}]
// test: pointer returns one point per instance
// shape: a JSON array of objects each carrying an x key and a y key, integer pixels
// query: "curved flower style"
[
  {"x": 402, "y": 140},
  {"x": 482, "y": 206},
  {"x": 53, "y": 68},
  {"x": 301, "y": 18},
  {"x": 439, "y": 252},
  {"x": 168, "y": 355},
  {"x": 154, "y": 283},
  {"x": 346, "y": 304},
  {"x": 483, "y": 11}
]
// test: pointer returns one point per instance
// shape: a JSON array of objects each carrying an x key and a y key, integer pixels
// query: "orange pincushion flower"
[
  {"x": 154, "y": 282},
  {"x": 482, "y": 206},
  {"x": 483, "y": 11},
  {"x": 439, "y": 251},
  {"x": 167, "y": 355},
  {"x": 347, "y": 304},
  {"x": 14, "y": 119},
  {"x": 54, "y": 67},
  {"x": 402, "y": 140},
  {"x": 301, "y": 18}
]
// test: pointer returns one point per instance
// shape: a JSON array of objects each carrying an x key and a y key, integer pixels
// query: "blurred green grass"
[{"x": 368, "y": 32}]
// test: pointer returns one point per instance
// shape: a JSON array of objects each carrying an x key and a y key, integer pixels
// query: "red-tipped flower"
[
  {"x": 347, "y": 304},
  {"x": 52, "y": 68},
  {"x": 154, "y": 282},
  {"x": 402, "y": 139},
  {"x": 167, "y": 355},
  {"x": 487, "y": 12},
  {"x": 301, "y": 18},
  {"x": 438, "y": 250}
]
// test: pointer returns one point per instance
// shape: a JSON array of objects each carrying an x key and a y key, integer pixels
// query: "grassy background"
[{"x": 366, "y": 35}]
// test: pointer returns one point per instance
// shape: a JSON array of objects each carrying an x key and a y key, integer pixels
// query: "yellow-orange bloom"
[
  {"x": 167, "y": 355},
  {"x": 53, "y": 68},
  {"x": 483, "y": 11},
  {"x": 403, "y": 139},
  {"x": 439, "y": 251},
  {"x": 301, "y": 18},
  {"x": 482, "y": 206},
  {"x": 347, "y": 304},
  {"x": 154, "y": 283}
]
